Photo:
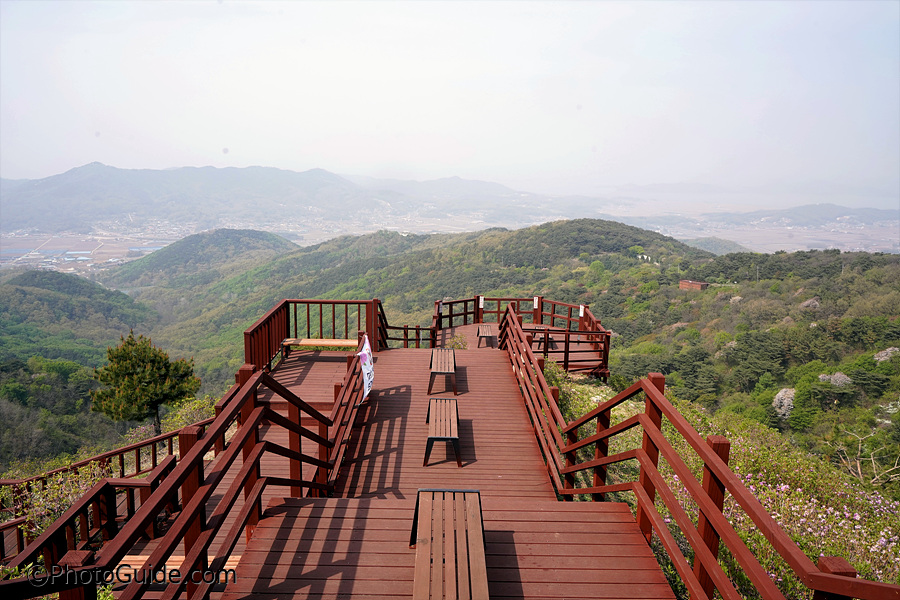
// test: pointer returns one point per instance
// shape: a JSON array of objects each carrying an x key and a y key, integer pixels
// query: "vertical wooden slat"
[
  {"x": 475, "y": 531},
  {"x": 294, "y": 444},
  {"x": 450, "y": 547},
  {"x": 437, "y": 548},
  {"x": 601, "y": 450},
  {"x": 422, "y": 575},
  {"x": 321, "y": 325},
  {"x": 462, "y": 542}
]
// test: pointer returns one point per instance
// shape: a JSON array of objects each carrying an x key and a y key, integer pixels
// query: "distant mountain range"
[
  {"x": 316, "y": 205},
  {"x": 96, "y": 194}
]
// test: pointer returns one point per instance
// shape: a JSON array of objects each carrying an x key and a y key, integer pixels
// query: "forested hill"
[
  {"x": 208, "y": 254},
  {"x": 55, "y": 315}
]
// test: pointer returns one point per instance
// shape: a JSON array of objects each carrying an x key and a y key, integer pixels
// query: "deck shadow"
[
  {"x": 373, "y": 462},
  {"x": 504, "y": 576}
]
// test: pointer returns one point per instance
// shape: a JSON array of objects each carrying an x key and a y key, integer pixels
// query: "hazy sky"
[{"x": 554, "y": 97}]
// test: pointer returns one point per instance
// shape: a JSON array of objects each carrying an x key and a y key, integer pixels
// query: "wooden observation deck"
[
  {"x": 356, "y": 544},
  {"x": 303, "y": 487}
]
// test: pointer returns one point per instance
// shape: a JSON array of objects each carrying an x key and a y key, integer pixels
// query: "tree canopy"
[{"x": 139, "y": 378}]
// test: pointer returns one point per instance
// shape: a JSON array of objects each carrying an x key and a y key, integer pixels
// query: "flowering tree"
[{"x": 139, "y": 378}]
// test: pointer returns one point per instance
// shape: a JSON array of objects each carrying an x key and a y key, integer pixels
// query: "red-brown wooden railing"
[
  {"x": 568, "y": 333},
  {"x": 71, "y": 540},
  {"x": 131, "y": 461},
  {"x": 833, "y": 578},
  {"x": 407, "y": 336},
  {"x": 311, "y": 319}
]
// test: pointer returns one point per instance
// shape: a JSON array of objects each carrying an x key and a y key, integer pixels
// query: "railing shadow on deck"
[
  {"x": 833, "y": 578},
  {"x": 84, "y": 547}
]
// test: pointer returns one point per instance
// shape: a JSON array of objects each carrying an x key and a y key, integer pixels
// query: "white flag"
[{"x": 367, "y": 364}]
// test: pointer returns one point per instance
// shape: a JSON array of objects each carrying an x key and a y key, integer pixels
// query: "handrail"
[
  {"x": 706, "y": 575},
  {"x": 540, "y": 398},
  {"x": 416, "y": 335},
  {"x": 129, "y": 462},
  {"x": 137, "y": 448},
  {"x": 348, "y": 398},
  {"x": 311, "y": 319},
  {"x": 94, "y": 515}
]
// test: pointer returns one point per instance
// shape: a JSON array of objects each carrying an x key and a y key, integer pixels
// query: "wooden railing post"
[
  {"x": 104, "y": 513},
  {"x": 187, "y": 437},
  {"x": 834, "y": 565},
  {"x": 241, "y": 377},
  {"x": 372, "y": 324},
  {"x": 571, "y": 458},
  {"x": 294, "y": 444},
  {"x": 655, "y": 415},
  {"x": 220, "y": 441},
  {"x": 324, "y": 451},
  {"x": 75, "y": 559},
  {"x": 715, "y": 489},
  {"x": 244, "y": 375},
  {"x": 601, "y": 450},
  {"x": 536, "y": 316}
]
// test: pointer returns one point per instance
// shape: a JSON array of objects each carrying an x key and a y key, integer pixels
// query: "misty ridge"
[{"x": 314, "y": 205}]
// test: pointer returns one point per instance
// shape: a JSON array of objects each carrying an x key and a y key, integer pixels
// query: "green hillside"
[
  {"x": 200, "y": 258},
  {"x": 56, "y": 315},
  {"x": 716, "y": 245}
]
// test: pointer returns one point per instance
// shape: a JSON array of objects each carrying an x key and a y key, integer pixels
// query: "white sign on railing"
[
  {"x": 581, "y": 310},
  {"x": 367, "y": 364},
  {"x": 480, "y": 301}
]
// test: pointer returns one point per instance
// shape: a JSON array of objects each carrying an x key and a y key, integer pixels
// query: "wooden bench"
[
  {"x": 443, "y": 425},
  {"x": 443, "y": 362},
  {"x": 484, "y": 333},
  {"x": 289, "y": 343},
  {"x": 448, "y": 535}
]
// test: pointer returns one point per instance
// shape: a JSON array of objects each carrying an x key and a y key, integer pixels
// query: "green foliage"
[
  {"x": 47, "y": 502},
  {"x": 56, "y": 315},
  {"x": 45, "y": 410},
  {"x": 139, "y": 379},
  {"x": 458, "y": 342},
  {"x": 181, "y": 414}
]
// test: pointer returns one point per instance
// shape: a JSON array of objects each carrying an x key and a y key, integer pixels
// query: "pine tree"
[{"x": 138, "y": 379}]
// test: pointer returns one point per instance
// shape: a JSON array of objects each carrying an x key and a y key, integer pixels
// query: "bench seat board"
[
  {"x": 449, "y": 540},
  {"x": 443, "y": 362},
  {"x": 443, "y": 425}
]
